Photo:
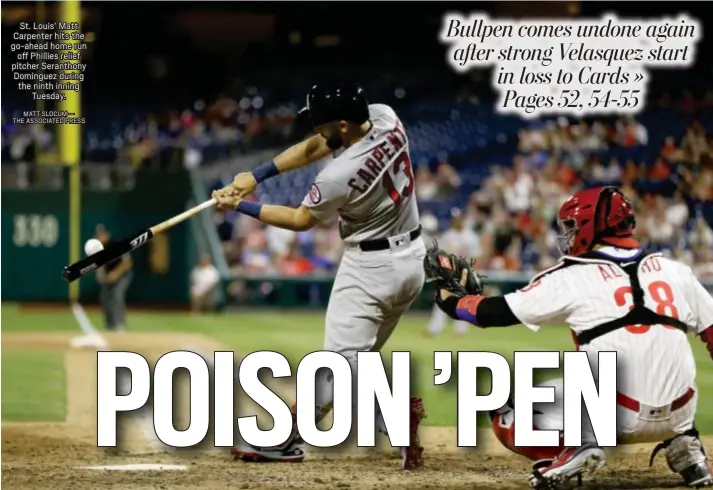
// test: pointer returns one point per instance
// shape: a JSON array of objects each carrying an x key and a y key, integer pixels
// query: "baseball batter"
[
  {"x": 639, "y": 305},
  {"x": 370, "y": 185},
  {"x": 464, "y": 242}
]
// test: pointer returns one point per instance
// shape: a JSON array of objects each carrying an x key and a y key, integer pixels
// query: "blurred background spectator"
[
  {"x": 114, "y": 280},
  {"x": 507, "y": 175},
  {"x": 205, "y": 278}
]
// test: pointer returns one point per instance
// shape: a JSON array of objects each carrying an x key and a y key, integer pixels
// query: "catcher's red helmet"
[{"x": 601, "y": 215}]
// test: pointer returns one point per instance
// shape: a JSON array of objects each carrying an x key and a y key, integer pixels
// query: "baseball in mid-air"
[{"x": 93, "y": 246}]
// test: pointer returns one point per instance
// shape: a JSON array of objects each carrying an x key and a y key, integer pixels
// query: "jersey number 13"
[{"x": 402, "y": 164}]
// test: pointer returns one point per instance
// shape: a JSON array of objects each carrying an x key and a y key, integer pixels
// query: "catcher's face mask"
[{"x": 568, "y": 232}]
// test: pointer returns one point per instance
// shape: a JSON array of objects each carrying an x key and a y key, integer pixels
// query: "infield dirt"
[{"x": 44, "y": 455}]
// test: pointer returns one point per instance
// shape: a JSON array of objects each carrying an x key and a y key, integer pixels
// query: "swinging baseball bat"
[{"x": 91, "y": 263}]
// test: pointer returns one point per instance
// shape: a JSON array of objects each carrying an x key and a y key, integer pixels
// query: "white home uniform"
[
  {"x": 371, "y": 186},
  {"x": 463, "y": 243},
  {"x": 657, "y": 394}
]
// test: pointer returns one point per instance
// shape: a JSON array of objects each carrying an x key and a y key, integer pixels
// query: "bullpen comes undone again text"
[{"x": 576, "y": 67}]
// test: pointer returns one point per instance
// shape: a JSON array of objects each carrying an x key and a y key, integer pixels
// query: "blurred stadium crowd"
[
  {"x": 505, "y": 178},
  {"x": 504, "y": 202},
  {"x": 190, "y": 136},
  {"x": 500, "y": 178}
]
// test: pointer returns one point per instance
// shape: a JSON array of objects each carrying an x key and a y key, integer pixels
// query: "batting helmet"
[
  {"x": 337, "y": 101},
  {"x": 602, "y": 215}
]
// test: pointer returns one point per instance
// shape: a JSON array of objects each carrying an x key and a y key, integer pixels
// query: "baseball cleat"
[
  {"x": 572, "y": 462},
  {"x": 412, "y": 456},
  {"x": 255, "y": 454},
  {"x": 290, "y": 451}
]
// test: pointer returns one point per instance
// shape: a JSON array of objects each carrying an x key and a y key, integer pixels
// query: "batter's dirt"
[{"x": 50, "y": 456}]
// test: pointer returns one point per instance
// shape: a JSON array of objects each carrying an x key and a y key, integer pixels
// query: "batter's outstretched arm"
[
  {"x": 294, "y": 219},
  {"x": 324, "y": 198},
  {"x": 297, "y": 156}
]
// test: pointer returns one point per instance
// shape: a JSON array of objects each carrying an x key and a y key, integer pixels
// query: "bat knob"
[{"x": 65, "y": 273}]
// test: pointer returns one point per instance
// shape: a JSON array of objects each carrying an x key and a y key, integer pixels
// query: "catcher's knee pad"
[
  {"x": 686, "y": 455},
  {"x": 503, "y": 422}
]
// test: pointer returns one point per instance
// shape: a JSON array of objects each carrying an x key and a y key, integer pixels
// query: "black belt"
[{"x": 383, "y": 243}]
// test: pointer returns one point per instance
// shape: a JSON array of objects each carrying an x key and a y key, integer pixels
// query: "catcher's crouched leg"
[
  {"x": 504, "y": 428},
  {"x": 553, "y": 467},
  {"x": 547, "y": 416},
  {"x": 686, "y": 456}
]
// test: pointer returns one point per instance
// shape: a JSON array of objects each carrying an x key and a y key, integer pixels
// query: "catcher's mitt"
[{"x": 446, "y": 270}]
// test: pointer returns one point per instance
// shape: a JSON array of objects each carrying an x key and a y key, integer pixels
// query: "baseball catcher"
[{"x": 614, "y": 297}]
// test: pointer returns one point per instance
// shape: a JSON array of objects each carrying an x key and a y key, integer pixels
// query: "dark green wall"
[
  {"x": 301, "y": 292},
  {"x": 35, "y": 239}
]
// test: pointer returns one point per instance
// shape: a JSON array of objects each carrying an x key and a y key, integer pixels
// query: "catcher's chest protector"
[{"x": 639, "y": 314}]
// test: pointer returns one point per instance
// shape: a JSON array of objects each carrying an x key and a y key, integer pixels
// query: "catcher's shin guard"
[
  {"x": 503, "y": 420},
  {"x": 686, "y": 456}
]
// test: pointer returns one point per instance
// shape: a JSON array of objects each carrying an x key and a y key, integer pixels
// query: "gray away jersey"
[{"x": 371, "y": 184}]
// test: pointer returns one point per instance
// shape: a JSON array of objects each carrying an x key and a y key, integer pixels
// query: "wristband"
[
  {"x": 265, "y": 171},
  {"x": 467, "y": 307},
  {"x": 249, "y": 208}
]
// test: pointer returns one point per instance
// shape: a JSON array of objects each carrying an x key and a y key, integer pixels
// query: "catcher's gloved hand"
[{"x": 454, "y": 278}]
